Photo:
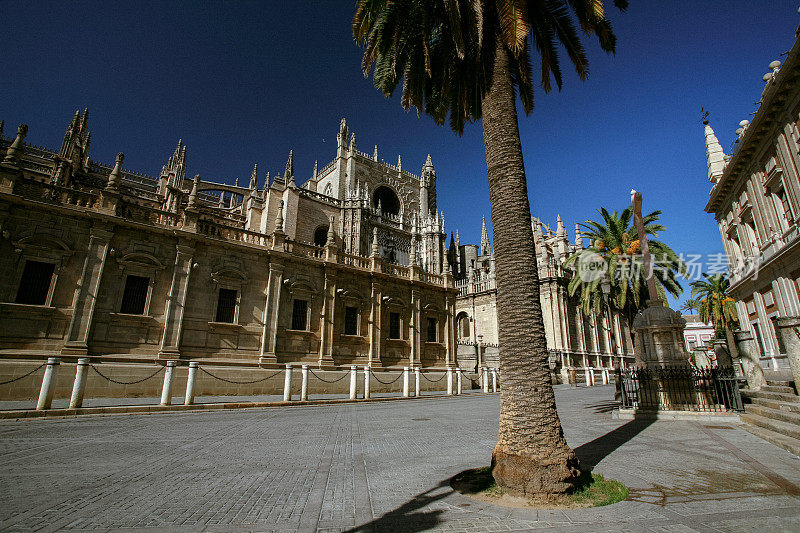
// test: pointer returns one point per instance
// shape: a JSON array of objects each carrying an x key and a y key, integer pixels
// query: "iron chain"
[
  {"x": 22, "y": 377},
  {"x": 240, "y": 382},
  {"x": 126, "y": 382}
]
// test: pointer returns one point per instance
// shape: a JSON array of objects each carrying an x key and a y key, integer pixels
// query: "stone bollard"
[
  {"x": 494, "y": 380},
  {"x": 48, "y": 384},
  {"x": 459, "y": 389},
  {"x": 605, "y": 377},
  {"x": 587, "y": 374},
  {"x": 417, "y": 382},
  {"x": 449, "y": 381},
  {"x": 79, "y": 385},
  {"x": 406, "y": 380},
  {"x": 485, "y": 375},
  {"x": 166, "y": 390},
  {"x": 366, "y": 383},
  {"x": 188, "y": 399},
  {"x": 304, "y": 383},
  {"x": 789, "y": 330},
  {"x": 287, "y": 384},
  {"x": 750, "y": 357},
  {"x": 353, "y": 382}
]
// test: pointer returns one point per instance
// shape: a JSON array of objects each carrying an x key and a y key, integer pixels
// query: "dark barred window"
[
  {"x": 351, "y": 320},
  {"x": 394, "y": 325},
  {"x": 134, "y": 297},
  {"x": 226, "y": 305},
  {"x": 35, "y": 283},
  {"x": 432, "y": 330},
  {"x": 300, "y": 315}
]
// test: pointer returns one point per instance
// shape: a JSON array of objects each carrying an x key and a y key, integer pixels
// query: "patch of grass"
[
  {"x": 599, "y": 491},
  {"x": 591, "y": 491}
]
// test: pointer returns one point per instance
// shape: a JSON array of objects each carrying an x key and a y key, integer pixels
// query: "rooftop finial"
[
  {"x": 486, "y": 247},
  {"x": 399, "y": 163},
  {"x": 288, "y": 174},
  {"x": 279, "y": 219},
  {"x": 192, "y": 202},
  {"x": 375, "y": 248},
  {"x": 331, "y": 233},
  {"x": 113, "y": 178},
  {"x": 715, "y": 156},
  {"x": 254, "y": 178},
  {"x": 314, "y": 174},
  {"x": 375, "y": 153},
  {"x": 15, "y": 150}
]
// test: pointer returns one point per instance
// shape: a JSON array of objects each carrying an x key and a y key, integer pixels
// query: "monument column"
[
  {"x": 269, "y": 335},
  {"x": 750, "y": 357},
  {"x": 375, "y": 324},
  {"x": 85, "y": 298},
  {"x": 176, "y": 301},
  {"x": 326, "y": 321}
]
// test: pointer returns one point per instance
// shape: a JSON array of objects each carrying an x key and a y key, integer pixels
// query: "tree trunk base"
[{"x": 537, "y": 478}]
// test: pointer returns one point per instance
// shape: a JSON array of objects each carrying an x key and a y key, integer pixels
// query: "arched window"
[
  {"x": 328, "y": 190},
  {"x": 462, "y": 321},
  {"x": 321, "y": 235},
  {"x": 388, "y": 200}
]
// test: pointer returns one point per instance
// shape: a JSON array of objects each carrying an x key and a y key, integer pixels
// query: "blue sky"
[{"x": 244, "y": 82}]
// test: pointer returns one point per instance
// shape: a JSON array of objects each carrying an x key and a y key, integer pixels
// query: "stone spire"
[
  {"x": 114, "y": 179},
  {"x": 458, "y": 239},
  {"x": 331, "y": 233},
  {"x": 314, "y": 172},
  {"x": 714, "y": 154},
  {"x": 279, "y": 219},
  {"x": 561, "y": 231},
  {"x": 192, "y": 202},
  {"x": 352, "y": 147},
  {"x": 399, "y": 163},
  {"x": 486, "y": 247},
  {"x": 412, "y": 256},
  {"x": 374, "y": 152},
  {"x": 288, "y": 174},
  {"x": 16, "y": 148},
  {"x": 578, "y": 236},
  {"x": 254, "y": 178},
  {"x": 375, "y": 248}
]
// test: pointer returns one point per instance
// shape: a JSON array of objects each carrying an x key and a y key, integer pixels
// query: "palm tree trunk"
[{"x": 531, "y": 456}]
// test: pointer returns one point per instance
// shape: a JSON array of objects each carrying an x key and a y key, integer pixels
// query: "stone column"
[
  {"x": 85, "y": 298},
  {"x": 366, "y": 383},
  {"x": 176, "y": 301},
  {"x": 588, "y": 376},
  {"x": 406, "y": 390},
  {"x": 304, "y": 383},
  {"x": 416, "y": 314},
  {"x": 48, "y": 384},
  {"x": 417, "y": 382},
  {"x": 494, "y": 380},
  {"x": 789, "y": 330},
  {"x": 450, "y": 332},
  {"x": 79, "y": 385},
  {"x": 375, "y": 324},
  {"x": 326, "y": 321},
  {"x": 287, "y": 384},
  {"x": 269, "y": 335},
  {"x": 458, "y": 381},
  {"x": 166, "y": 389},
  {"x": 188, "y": 399},
  {"x": 353, "y": 382},
  {"x": 449, "y": 381},
  {"x": 750, "y": 357}
]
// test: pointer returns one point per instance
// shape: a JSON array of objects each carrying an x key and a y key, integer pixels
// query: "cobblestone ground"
[{"x": 376, "y": 467}]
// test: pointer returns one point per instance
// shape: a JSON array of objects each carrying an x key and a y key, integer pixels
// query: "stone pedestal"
[
  {"x": 659, "y": 336},
  {"x": 789, "y": 330},
  {"x": 721, "y": 352}
]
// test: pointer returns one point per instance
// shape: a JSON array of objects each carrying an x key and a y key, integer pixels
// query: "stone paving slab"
[{"x": 376, "y": 467}]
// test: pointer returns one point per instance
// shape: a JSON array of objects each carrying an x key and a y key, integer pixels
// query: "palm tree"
[
  {"x": 616, "y": 248},
  {"x": 716, "y": 306},
  {"x": 691, "y": 305},
  {"x": 469, "y": 59}
]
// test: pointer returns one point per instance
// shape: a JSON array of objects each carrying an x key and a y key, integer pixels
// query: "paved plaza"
[{"x": 376, "y": 467}]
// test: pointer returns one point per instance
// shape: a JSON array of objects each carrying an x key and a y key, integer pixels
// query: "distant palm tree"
[
  {"x": 691, "y": 305},
  {"x": 615, "y": 247},
  {"x": 716, "y": 306},
  {"x": 469, "y": 59}
]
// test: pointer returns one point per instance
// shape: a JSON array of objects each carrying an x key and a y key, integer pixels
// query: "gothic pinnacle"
[
  {"x": 314, "y": 173},
  {"x": 375, "y": 248},
  {"x": 192, "y": 202},
  {"x": 375, "y": 153},
  {"x": 486, "y": 247},
  {"x": 114, "y": 178},
  {"x": 288, "y": 173},
  {"x": 279, "y": 219},
  {"x": 15, "y": 150},
  {"x": 715, "y": 156},
  {"x": 254, "y": 178}
]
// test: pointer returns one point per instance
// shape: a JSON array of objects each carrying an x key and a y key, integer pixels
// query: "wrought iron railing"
[{"x": 680, "y": 388}]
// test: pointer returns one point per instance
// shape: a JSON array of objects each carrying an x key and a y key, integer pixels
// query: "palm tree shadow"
[
  {"x": 408, "y": 516},
  {"x": 594, "y": 451}
]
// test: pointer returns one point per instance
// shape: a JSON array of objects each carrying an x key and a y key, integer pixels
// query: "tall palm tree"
[
  {"x": 615, "y": 246},
  {"x": 468, "y": 59},
  {"x": 691, "y": 305},
  {"x": 717, "y": 306}
]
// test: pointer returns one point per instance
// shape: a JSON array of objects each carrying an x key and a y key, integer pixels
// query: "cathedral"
[
  {"x": 575, "y": 341},
  {"x": 347, "y": 268}
]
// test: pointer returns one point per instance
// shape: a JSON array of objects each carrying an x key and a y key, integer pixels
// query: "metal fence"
[{"x": 680, "y": 388}]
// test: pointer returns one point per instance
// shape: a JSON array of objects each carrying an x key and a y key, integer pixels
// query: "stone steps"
[
  {"x": 789, "y": 444},
  {"x": 773, "y": 413},
  {"x": 782, "y": 415},
  {"x": 780, "y": 396},
  {"x": 785, "y": 389}
]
